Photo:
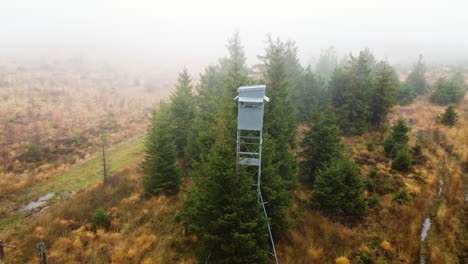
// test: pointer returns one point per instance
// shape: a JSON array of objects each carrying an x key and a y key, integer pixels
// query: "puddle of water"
[
  {"x": 426, "y": 226},
  {"x": 34, "y": 205}
]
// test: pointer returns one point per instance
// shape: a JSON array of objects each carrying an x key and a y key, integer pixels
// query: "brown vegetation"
[
  {"x": 52, "y": 115},
  {"x": 391, "y": 233},
  {"x": 141, "y": 231},
  {"x": 147, "y": 231}
]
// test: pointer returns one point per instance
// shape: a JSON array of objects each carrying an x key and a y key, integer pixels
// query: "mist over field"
[{"x": 172, "y": 34}]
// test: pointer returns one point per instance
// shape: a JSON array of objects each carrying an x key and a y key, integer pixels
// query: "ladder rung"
[
  {"x": 249, "y": 153},
  {"x": 250, "y": 137},
  {"x": 249, "y": 161}
]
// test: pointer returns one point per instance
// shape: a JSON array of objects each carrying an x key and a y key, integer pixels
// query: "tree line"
[{"x": 194, "y": 132}]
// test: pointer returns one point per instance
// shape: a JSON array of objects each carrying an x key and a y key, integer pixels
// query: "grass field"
[{"x": 78, "y": 177}]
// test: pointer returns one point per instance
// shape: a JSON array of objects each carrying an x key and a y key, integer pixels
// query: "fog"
[{"x": 173, "y": 34}]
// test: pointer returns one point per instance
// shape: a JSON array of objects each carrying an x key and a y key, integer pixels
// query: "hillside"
[{"x": 147, "y": 230}]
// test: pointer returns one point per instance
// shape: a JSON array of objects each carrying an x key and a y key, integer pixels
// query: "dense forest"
[{"x": 357, "y": 157}]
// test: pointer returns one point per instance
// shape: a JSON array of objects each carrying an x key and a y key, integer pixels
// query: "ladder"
[{"x": 249, "y": 153}]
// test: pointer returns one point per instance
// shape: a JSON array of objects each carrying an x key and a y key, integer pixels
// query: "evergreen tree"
[
  {"x": 327, "y": 64},
  {"x": 447, "y": 92},
  {"x": 397, "y": 139},
  {"x": 383, "y": 93},
  {"x": 182, "y": 111},
  {"x": 274, "y": 189},
  {"x": 400, "y": 132},
  {"x": 234, "y": 67},
  {"x": 209, "y": 93},
  {"x": 449, "y": 117},
  {"x": 279, "y": 120},
  {"x": 321, "y": 143},
  {"x": 229, "y": 75},
  {"x": 339, "y": 188},
  {"x": 161, "y": 173},
  {"x": 350, "y": 93},
  {"x": 416, "y": 79},
  {"x": 458, "y": 79},
  {"x": 297, "y": 86},
  {"x": 417, "y": 150},
  {"x": 405, "y": 94},
  {"x": 402, "y": 159},
  {"x": 309, "y": 94},
  {"x": 222, "y": 207}
]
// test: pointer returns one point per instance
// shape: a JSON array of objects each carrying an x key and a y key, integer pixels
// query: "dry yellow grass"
[
  {"x": 62, "y": 111},
  {"x": 394, "y": 228},
  {"x": 342, "y": 260},
  {"x": 143, "y": 231}
]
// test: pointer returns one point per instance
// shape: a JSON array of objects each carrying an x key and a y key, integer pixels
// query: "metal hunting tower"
[{"x": 249, "y": 138}]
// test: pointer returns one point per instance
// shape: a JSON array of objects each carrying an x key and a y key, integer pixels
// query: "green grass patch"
[{"x": 78, "y": 177}]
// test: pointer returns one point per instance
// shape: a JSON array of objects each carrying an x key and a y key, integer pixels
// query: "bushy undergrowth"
[
  {"x": 100, "y": 219},
  {"x": 402, "y": 197}
]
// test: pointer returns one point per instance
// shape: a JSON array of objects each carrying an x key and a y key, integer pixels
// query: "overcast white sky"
[{"x": 177, "y": 33}]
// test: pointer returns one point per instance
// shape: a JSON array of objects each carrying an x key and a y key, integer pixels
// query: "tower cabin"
[{"x": 250, "y": 124}]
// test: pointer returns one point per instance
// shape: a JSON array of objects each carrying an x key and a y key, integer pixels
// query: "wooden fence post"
[
  {"x": 42, "y": 253},
  {"x": 2, "y": 254}
]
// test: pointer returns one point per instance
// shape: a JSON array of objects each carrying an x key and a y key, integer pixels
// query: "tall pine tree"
[
  {"x": 231, "y": 73},
  {"x": 350, "y": 93},
  {"x": 416, "y": 79},
  {"x": 279, "y": 120},
  {"x": 327, "y": 64},
  {"x": 182, "y": 111},
  {"x": 161, "y": 173},
  {"x": 234, "y": 67},
  {"x": 222, "y": 207},
  {"x": 321, "y": 143},
  {"x": 383, "y": 93},
  {"x": 274, "y": 190}
]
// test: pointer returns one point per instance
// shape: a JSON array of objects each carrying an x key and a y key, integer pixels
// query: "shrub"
[
  {"x": 370, "y": 185},
  {"x": 338, "y": 188},
  {"x": 11, "y": 119},
  {"x": 449, "y": 117},
  {"x": 388, "y": 146},
  {"x": 33, "y": 153},
  {"x": 397, "y": 139},
  {"x": 402, "y": 196},
  {"x": 405, "y": 95},
  {"x": 100, "y": 219},
  {"x": 373, "y": 174},
  {"x": 417, "y": 150},
  {"x": 370, "y": 146},
  {"x": 402, "y": 160},
  {"x": 447, "y": 92},
  {"x": 365, "y": 258},
  {"x": 373, "y": 201},
  {"x": 75, "y": 139}
]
